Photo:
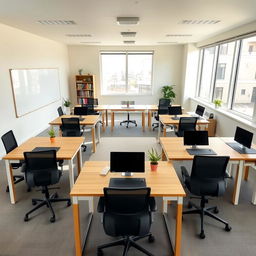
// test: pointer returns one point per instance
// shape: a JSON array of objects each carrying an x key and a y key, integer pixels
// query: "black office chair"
[
  {"x": 42, "y": 171},
  {"x": 186, "y": 124},
  {"x": 60, "y": 111},
  {"x": 207, "y": 179},
  {"x": 163, "y": 105},
  {"x": 71, "y": 128},
  {"x": 127, "y": 213},
  {"x": 10, "y": 144},
  {"x": 128, "y": 120}
]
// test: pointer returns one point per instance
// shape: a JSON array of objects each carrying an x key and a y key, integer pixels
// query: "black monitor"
[
  {"x": 127, "y": 162},
  {"x": 175, "y": 110},
  {"x": 200, "y": 110},
  {"x": 80, "y": 111},
  {"x": 194, "y": 138},
  {"x": 243, "y": 137}
]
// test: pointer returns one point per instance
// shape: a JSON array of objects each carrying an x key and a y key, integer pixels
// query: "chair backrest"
[
  {"x": 81, "y": 111},
  {"x": 41, "y": 168},
  {"x": 208, "y": 175},
  {"x": 164, "y": 102},
  {"x": 90, "y": 109},
  {"x": 9, "y": 141},
  {"x": 126, "y": 211},
  {"x": 187, "y": 124},
  {"x": 95, "y": 101},
  {"x": 70, "y": 127},
  {"x": 90, "y": 101},
  {"x": 60, "y": 111}
]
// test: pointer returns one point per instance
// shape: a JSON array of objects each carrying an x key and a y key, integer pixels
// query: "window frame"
[{"x": 126, "y": 53}]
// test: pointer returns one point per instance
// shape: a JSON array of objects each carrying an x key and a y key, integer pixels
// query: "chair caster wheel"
[
  {"x": 216, "y": 210},
  {"x": 189, "y": 205},
  {"x": 68, "y": 203},
  {"x": 99, "y": 252},
  {"x": 52, "y": 219},
  {"x": 151, "y": 239},
  {"x": 202, "y": 235},
  {"x": 26, "y": 218},
  {"x": 56, "y": 195},
  {"x": 34, "y": 202},
  {"x": 228, "y": 228},
  {"x": 28, "y": 189}
]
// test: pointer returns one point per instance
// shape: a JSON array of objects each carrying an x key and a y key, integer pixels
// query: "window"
[
  {"x": 224, "y": 49},
  {"x": 221, "y": 68},
  {"x": 126, "y": 73}
]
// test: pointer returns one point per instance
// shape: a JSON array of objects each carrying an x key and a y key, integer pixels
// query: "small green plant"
[
  {"x": 51, "y": 133},
  {"x": 217, "y": 102},
  {"x": 67, "y": 103},
  {"x": 168, "y": 92},
  {"x": 154, "y": 156},
  {"x": 80, "y": 71}
]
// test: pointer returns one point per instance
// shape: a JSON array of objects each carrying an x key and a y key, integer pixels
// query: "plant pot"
[
  {"x": 153, "y": 166},
  {"x": 67, "y": 110},
  {"x": 52, "y": 139}
]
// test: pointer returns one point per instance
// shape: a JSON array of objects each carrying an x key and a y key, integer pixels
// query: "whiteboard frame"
[{"x": 13, "y": 92}]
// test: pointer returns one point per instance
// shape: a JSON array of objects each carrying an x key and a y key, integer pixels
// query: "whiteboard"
[{"x": 34, "y": 88}]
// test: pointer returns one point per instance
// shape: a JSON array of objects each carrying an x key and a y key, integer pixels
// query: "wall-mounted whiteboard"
[{"x": 34, "y": 88}]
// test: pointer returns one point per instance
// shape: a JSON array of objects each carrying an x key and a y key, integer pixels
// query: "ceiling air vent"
[
  {"x": 129, "y": 42},
  {"x": 56, "y": 22},
  {"x": 128, "y": 34},
  {"x": 199, "y": 22},
  {"x": 127, "y": 20}
]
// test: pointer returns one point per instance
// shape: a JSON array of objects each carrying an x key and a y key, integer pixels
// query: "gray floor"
[{"x": 40, "y": 237}]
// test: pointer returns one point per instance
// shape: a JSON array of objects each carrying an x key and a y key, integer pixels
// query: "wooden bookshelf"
[{"x": 85, "y": 88}]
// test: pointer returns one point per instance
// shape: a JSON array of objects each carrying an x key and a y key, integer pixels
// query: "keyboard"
[
  {"x": 38, "y": 149},
  {"x": 200, "y": 151},
  {"x": 127, "y": 183}
]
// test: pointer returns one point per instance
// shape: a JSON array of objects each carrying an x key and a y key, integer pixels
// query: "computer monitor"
[
  {"x": 175, "y": 110},
  {"x": 81, "y": 111},
  {"x": 194, "y": 138},
  {"x": 243, "y": 137},
  {"x": 200, "y": 110},
  {"x": 127, "y": 162}
]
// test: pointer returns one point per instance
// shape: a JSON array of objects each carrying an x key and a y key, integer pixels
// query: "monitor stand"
[
  {"x": 81, "y": 118},
  {"x": 127, "y": 174},
  {"x": 175, "y": 118}
]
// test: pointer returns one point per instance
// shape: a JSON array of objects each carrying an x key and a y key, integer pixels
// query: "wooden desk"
[
  {"x": 173, "y": 149},
  {"x": 90, "y": 120},
  {"x": 202, "y": 124},
  {"x": 164, "y": 183},
  {"x": 69, "y": 148}
]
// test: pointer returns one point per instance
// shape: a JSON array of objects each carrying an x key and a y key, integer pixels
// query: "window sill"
[{"x": 226, "y": 112}]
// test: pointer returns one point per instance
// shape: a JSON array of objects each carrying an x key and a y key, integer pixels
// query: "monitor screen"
[
  {"x": 127, "y": 161},
  {"x": 200, "y": 110},
  {"x": 243, "y": 137},
  {"x": 80, "y": 111},
  {"x": 196, "y": 138},
  {"x": 175, "y": 110}
]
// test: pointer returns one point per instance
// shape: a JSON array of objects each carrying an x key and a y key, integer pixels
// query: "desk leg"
[
  {"x": 77, "y": 231},
  {"x": 149, "y": 119},
  {"x": 71, "y": 173},
  {"x": 143, "y": 120},
  {"x": 93, "y": 140},
  {"x": 164, "y": 158},
  {"x": 98, "y": 132},
  {"x": 178, "y": 230},
  {"x": 112, "y": 120},
  {"x": 246, "y": 173},
  {"x": 103, "y": 121},
  {"x": 10, "y": 180},
  {"x": 159, "y": 130},
  {"x": 164, "y": 130},
  {"x": 106, "y": 118},
  {"x": 79, "y": 161},
  {"x": 239, "y": 174}
]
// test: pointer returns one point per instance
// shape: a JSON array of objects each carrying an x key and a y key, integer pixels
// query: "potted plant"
[
  {"x": 217, "y": 102},
  {"x": 67, "y": 104},
  {"x": 52, "y": 134},
  {"x": 168, "y": 92},
  {"x": 80, "y": 71},
  {"x": 154, "y": 157}
]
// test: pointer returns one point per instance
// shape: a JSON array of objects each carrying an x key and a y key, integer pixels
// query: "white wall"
[
  {"x": 19, "y": 49},
  {"x": 167, "y": 70}
]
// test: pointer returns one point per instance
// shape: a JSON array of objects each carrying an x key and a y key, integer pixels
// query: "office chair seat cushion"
[{"x": 127, "y": 225}]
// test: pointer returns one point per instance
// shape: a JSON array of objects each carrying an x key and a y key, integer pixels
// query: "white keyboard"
[{"x": 105, "y": 171}]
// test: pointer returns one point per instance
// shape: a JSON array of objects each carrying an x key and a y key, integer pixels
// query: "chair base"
[
  {"x": 16, "y": 179},
  {"x": 206, "y": 212},
  {"x": 127, "y": 242},
  {"x": 128, "y": 122},
  {"x": 47, "y": 201}
]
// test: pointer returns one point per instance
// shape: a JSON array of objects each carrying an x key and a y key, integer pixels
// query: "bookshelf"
[{"x": 85, "y": 88}]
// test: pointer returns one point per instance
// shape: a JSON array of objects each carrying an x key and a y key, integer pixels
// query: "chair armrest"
[
  {"x": 184, "y": 173},
  {"x": 101, "y": 205},
  {"x": 152, "y": 204}
]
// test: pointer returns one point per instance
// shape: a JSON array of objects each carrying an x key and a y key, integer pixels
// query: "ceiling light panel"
[
  {"x": 199, "y": 22},
  {"x": 129, "y": 42},
  {"x": 178, "y": 35},
  {"x": 128, "y": 34},
  {"x": 78, "y": 35},
  {"x": 56, "y": 22},
  {"x": 127, "y": 20}
]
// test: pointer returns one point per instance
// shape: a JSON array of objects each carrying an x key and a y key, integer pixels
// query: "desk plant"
[
  {"x": 67, "y": 104},
  {"x": 168, "y": 92},
  {"x": 154, "y": 157},
  {"x": 217, "y": 102},
  {"x": 52, "y": 134}
]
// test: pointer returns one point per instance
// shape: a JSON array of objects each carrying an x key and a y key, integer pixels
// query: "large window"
[
  {"x": 126, "y": 73},
  {"x": 227, "y": 72}
]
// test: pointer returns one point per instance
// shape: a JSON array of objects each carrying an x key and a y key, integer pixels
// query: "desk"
[
  {"x": 69, "y": 148},
  {"x": 167, "y": 120},
  {"x": 91, "y": 120},
  {"x": 164, "y": 183},
  {"x": 173, "y": 149}
]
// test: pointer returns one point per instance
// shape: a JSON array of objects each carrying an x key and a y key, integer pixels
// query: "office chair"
[
  {"x": 95, "y": 102},
  {"x": 128, "y": 120},
  {"x": 42, "y": 171},
  {"x": 60, "y": 111},
  {"x": 71, "y": 128},
  {"x": 10, "y": 144},
  {"x": 163, "y": 105},
  {"x": 127, "y": 212},
  {"x": 207, "y": 179},
  {"x": 186, "y": 124}
]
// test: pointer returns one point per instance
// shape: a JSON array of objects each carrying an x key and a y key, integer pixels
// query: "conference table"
[
  {"x": 69, "y": 148},
  {"x": 174, "y": 150},
  {"x": 163, "y": 183},
  {"x": 89, "y": 120}
]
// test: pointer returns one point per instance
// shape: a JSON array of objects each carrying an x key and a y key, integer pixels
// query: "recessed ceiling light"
[
  {"x": 128, "y": 34},
  {"x": 200, "y": 22},
  {"x": 127, "y": 20},
  {"x": 129, "y": 42},
  {"x": 178, "y": 35},
  {"x": 56, "y": 22},
  {"x": 78, "y": 35}
]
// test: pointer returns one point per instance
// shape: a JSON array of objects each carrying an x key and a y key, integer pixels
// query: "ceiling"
[{"x": 97, "y": 18}]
